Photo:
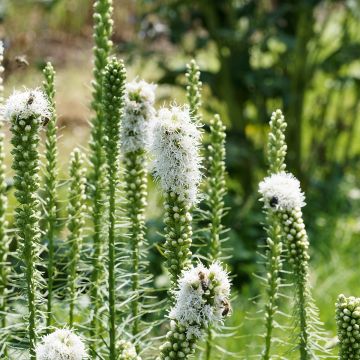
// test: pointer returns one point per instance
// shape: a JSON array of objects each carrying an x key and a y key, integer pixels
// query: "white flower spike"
[
  {"x": 175, "y": 147},
  {"x": 202, "y": 298},
  {"x": 282, "y": 192},
  {"x": 138, "y": 112},
  {"x": 62, "y": 344},
  {"x": 25, "y": 104}
]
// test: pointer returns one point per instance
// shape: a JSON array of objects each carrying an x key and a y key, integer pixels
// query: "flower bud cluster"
[
  {"x": 138, "y": 113},
  {"x": 62, "y": 344},
  {"x": 276, "y": 148},
  {"x": 296, "y": 239},
  {"x": 216, "y": 185},
  {"x": 348, "y": 324},
  {"x": 178, "y": 234},
  {"x": 193, "y": 90}
]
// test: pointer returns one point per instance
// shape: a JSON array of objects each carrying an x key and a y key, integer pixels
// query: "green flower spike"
[
  {"x": 27, "y": 111},
  {"x": 113, "y": 103},
  {"x": 102, "y": 33},
  {"x": 193, "y": 91},
  {"x": 50, "y": 187},
  {"x": 76, "y": 214},
  {"x": 138, "y": 113}
]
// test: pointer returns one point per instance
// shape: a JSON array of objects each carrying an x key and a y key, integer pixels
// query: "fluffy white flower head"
[
  {"x": 202, "y": 298},
  {"x": 138, "y": 112},
  {"x": 175, "y": 148},
  {"x": 25, "y": 104},
  {"x": 281, "y": 191},
  {"x": 62, "y": 344}
]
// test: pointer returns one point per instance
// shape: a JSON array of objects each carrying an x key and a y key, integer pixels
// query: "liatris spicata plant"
[
  {"x": 175, "y": 147},
  {"x": 282, "y": 195},
  {"x": 138, "y": 113},
  {"x": 76, "y": 221},
  {"x": 50, "y": 187},
  {"x": 201, "y": 300},
  {"x": 4, "y": 240},
  {"x": 103, "y": 45},
  {"x": 276, "y": 152},
  {"x": 348, "y": 327},
  {"x": 193, "y": 90},
  {"x": 26, "y": 111},
  {"x": 113, "y": 103},
  {"x": 62, "y": 344}
]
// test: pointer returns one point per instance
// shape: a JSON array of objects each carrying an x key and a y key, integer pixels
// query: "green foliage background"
[{"x": 255, "y": 56}]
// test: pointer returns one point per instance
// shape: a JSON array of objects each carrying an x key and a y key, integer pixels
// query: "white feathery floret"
[
  {"x": 25, "y": 104},
  {"x": 281, "y": 191},
  {"x": 175, "y": 148},
  {"x": 201, "y": 299},
  {"x": 138, "y": 112},
  {"x": 62, "y": 344}
]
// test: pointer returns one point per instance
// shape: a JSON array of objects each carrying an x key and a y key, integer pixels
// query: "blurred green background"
[{"x": 255, "y": 56}]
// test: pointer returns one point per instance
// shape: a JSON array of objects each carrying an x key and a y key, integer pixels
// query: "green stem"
[{"x": 50, "y": 186}]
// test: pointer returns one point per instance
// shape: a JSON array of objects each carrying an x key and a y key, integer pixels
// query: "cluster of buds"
[{"x": 348, "y": 324}]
